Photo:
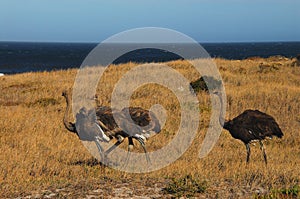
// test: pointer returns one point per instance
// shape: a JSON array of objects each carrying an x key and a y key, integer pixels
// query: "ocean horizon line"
[{"x": 18, "y": 57}]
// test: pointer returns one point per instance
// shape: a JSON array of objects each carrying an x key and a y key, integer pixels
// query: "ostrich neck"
[
  {"x": 221, "y": 118},
  {"x": 70, "y": 126}
]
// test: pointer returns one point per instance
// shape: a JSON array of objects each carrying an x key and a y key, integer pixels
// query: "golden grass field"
[{"x": 40, "y": 158}]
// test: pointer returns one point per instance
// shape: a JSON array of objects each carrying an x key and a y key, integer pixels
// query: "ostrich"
[
  {"x": 145, "y": 124},
  {"x": 89, "y": 130},
  {"x": 251, "y": 125}
]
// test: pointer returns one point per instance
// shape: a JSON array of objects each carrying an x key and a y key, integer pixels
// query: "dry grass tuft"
[
  {"x": 187, "y": 186},
  {"x": 39, "y": 156}
]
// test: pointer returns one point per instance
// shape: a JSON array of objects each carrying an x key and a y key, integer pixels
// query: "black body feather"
[{"x": 253, "y": 125}]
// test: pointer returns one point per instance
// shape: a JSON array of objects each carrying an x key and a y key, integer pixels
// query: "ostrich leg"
[
  {"x": 120, "y": 140},
  {"x": 130, "y": 146},
  {"x": 248, "y": 152},
  {"x": 100, "y": 149},
  {"x": 141, "y": 141},
  {"x": 263, "y": 150}
]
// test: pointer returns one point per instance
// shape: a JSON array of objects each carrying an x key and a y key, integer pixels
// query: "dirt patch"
[{"x": 105, "y": 188}]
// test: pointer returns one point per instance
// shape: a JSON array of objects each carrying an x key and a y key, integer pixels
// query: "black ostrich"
[
  {"x": 87, "y": 127},
  {"x": 251, "y": 125}
]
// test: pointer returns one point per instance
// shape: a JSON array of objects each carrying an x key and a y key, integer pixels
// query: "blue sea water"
[{"x": 18, "y": 57}]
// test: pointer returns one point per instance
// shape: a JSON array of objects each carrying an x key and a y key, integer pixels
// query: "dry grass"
[{"x": 37, "y": 152}]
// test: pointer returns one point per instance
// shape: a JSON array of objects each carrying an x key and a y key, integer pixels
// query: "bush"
[{"x": 205, "y": 83}]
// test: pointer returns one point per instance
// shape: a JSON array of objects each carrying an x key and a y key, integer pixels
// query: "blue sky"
[{"x": 96, "y": 20}]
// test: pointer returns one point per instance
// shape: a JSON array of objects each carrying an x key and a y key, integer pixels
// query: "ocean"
[{"x": 19, "y": 57}]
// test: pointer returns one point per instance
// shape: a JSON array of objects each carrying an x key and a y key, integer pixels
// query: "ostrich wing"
[
  {"x": 105, "y": 115},
  {"x": 144, "y": 118}
]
